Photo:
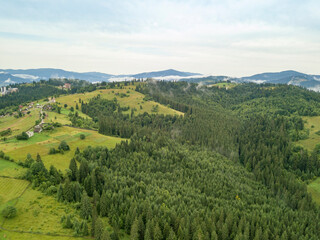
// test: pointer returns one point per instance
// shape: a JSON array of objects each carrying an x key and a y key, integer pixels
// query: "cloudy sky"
[{"x": 230, "y": 37}]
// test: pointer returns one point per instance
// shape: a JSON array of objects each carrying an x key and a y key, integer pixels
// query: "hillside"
[{"x": 163, "y": 160}]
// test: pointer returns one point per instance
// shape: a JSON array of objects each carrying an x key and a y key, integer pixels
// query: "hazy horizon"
[{"x": 233, "y": 38}]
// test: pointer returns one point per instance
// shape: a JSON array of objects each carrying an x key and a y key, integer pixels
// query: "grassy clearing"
[
  {"x": 133, "y": 100},
  {"x": 55, "y": 117},
  {"x": 5, "y": 235},
  {"x": 10, "y": 169},
  {"x": 314, "y": 189},
  {"x": 313, "y": 124},
  {"x": 10, "y": 189},
  {"x": 19, "y": 125},
  {"x": 42, "y": 142},
  {"x": 226, "y": 85},
  {"x": 37, "y": 212}
]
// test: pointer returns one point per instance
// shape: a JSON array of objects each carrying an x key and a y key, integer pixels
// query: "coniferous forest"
[{"x": 226, "y": 169}]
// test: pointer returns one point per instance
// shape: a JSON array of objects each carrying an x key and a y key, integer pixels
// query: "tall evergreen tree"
[
  {"x": 85, "y": 208},
  {"x": 103, "y": 204},
  {"x": 74, "y": 169},
  {"x": 134, "y": 233}
]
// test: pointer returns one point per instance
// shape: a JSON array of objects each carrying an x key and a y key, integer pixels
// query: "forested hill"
[{"x": 229, "y": 168}]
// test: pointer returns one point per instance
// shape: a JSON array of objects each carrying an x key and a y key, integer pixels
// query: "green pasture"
[
  {"x": 10, "y": 169},
  {"x": 313, "y": 124},
  {"x": 314, "y": 189},
  {"x": 132, "y": 99},
  {"x": 21, "y": 124},
  {"x": 42, "y": 142}
]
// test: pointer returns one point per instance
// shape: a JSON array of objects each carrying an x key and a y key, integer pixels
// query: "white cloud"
[{"x": 219, "y": 37}]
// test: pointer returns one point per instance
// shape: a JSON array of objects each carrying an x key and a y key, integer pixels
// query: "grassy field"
[
  {"x": 226, "y": 85},
  {"x": 10, "y": 169},
  {"x": 314, "y": 189},
  {"x": 133, "y": 100},
  {"x": 5, "y": 235},
  {"x": 37, "y": 212},
  {"x": 10, "y": 189},
  {"x": 313, "y": 124},
  {"x": 55, "y": 117},
  {"x": 42, "y": 142},
  {"x": 21, "y": 124}
]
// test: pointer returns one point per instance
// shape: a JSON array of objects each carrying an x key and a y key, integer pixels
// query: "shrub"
[
  {"x": 9, "y": 212},
  {"x": 52, "y": 190},
  {"x": 22, "y": 136},
  {"x": 82, "y": 136},
  {"x": 64, "y": 146},
  {"x": 52, "y": 151},
  {"x": 5, "y": 132}
]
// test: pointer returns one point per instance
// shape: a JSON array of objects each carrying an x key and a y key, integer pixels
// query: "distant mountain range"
[
  {"x": 290, "y": 77},
  {"x": 286, "y": 77},
  {"x": 9, "y": 76}
]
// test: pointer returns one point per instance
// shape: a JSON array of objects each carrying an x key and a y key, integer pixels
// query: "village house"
[
  {"x": 67, "y": 86},
  {"x": 30, "y": 133},
  {"x": 37, "y": 129}
]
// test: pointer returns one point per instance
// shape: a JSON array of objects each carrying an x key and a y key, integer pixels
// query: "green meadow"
[
  {"x": 21, "y": 124},
  {"x": 314, "y": 189},
  {"x": 132, "y": 99},
  {"x": 226, "y": 85},
  {"x": 10, "y": 169},
  {"x": 42, "y": 142},
  {"x": 313, "y": 124}
]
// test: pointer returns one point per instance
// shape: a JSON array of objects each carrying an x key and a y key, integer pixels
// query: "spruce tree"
[
  {"x": 94, "y": 219},
  {"x": 60, "y": 193},
  {"x": 147, "y": 235},
  {"x": 68, "y": 191},
  {"x": 157, "y": 235},
  {"x": 99, "y": 229},
  {"x": 105, "y": 235},
  {"x": 103, "y": 205},
  {"x": 172, "y": 235},
  {"x": 85, "y": 208},
  {"x": 74, "y": 169},
  {"x": 83, "y": 170},
  {"x": 88, "y": 186},
  {"x": 134, "y": 233}
]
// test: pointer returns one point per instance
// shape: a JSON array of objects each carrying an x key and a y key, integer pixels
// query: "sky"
[{"x": 229, "y": 37}]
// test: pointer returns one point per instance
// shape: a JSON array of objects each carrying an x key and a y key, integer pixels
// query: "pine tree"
[
  {"x": 157, "y": 235},
  {"x": 74, "y": 169},
  {"x": 60, "y": 193},
  {"x": 84, "y": 228},
  {"x": 88, "y": 185},
  {"x": 225, "y": 232},
  {"x": 214, "y": 235},
  {"x": 172, "y": 235},
  {"x": 68, "y": 191},
  {"x": 99, "y": 229},
  {"x": 77, "y": 151},
  {"x": 85, "y": 208},
  {"x": 94, "y": 219},
  {"x": 83, "y": 170},
  {"x": 105, "y": 235},
  {"x": 68, "y": 223},
  {"x": 141, "y": 227},
  {"x": 134, "y": 233},
  {"x": 103, "y": 205},
  {"x": 147, "y": 235}
]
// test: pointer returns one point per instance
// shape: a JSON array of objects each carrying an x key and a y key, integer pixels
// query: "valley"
[{"x": 112, "y": 160}]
